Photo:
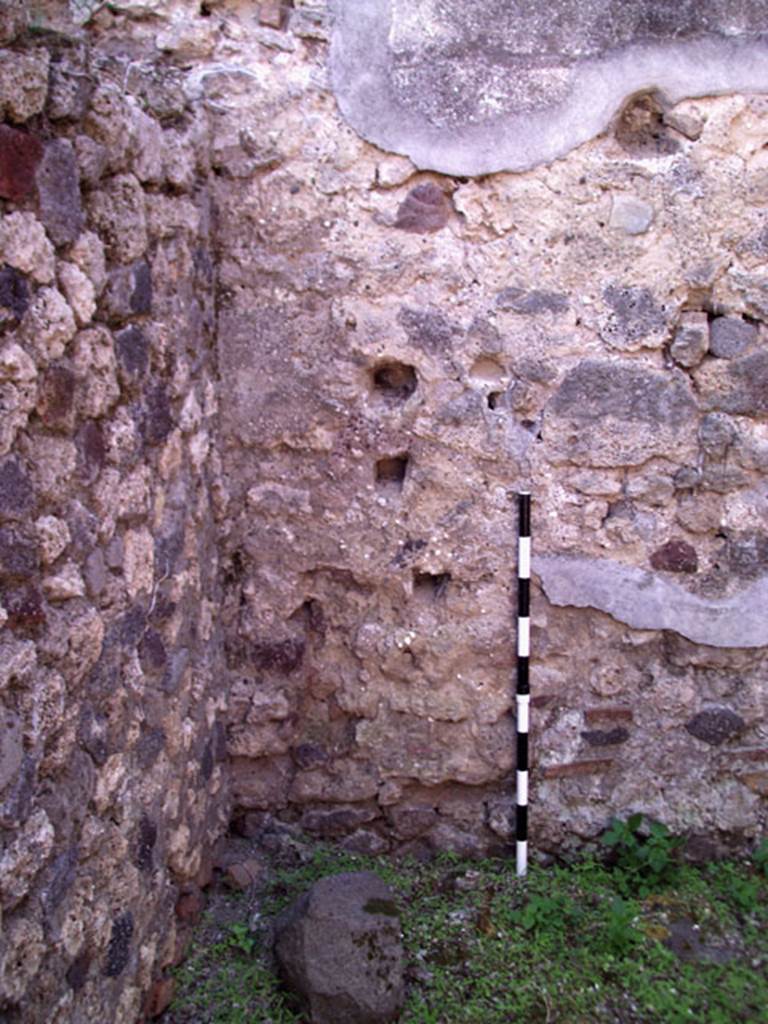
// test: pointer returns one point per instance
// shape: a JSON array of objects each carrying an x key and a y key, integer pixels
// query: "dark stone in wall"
[
  {"x": 61, "y": 876},
  {"x": 16, "y": 494},
  {"x": 596, "y": 389},
  {"x": 532, "y": 303},
  {"x": 56, "y": 398},
  {"x": 281, "y": 656},
  {"x": 425, "y": 209},
  {"x": 77, "y": 974},
  {"x": 428, "y": 329},
  {"x": 132, "y": 352},
  {"x": 157, "y": 422},
  {"x": 730, "y": 337},
  {"x": 715, "y": 725},
  {"x": 152, "y": 653},
  {"x": 119, "y": 949},
  {"x": 92, "y": 450},
  {"x": 746, "y": 553},
  {"x": 20, "y": 155},
  {"x": 146, "y": 838},
  {"x": 17, "y": 803},
  {"x": 148, "y": 747},
  {"x": 128, "y": 292},
  {"x": 58, "y": 187},
  {"x": 26, "y": 610},
  {"x": 605, "y": 737},
  {"x": 14, "y": 292},
  {"x": 635, "y": 313},
  {"x": 675, "y": 556},
  {"x": 18, "y": 554}
]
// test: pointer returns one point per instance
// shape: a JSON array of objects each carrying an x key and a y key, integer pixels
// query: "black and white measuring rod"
[{"x": 523, "y": 686}]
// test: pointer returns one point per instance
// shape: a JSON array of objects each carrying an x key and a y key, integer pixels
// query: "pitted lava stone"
[
  {"x": 425, "y": 209},
  {"x": 715, "y": 725}
]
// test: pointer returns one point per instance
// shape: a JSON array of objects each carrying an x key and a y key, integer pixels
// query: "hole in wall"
[
  {"x": 390, "y": 471},
  {"x": 205, "y": 10},
  {"x": 431, "y": 586},
  {"x": 494, "y": 399},
  {"x": 487, "y": 370},
  {"x": 394, "y": 382}
]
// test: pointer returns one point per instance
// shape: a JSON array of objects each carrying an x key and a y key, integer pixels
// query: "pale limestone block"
[
  {"x": 88, "y": 254},
  {"x": 53, "y": 537},
  {"x": 54, "y": 460},
  {"x": 23, "y": 84},
  {"x": 25, "y": 246},
  {"x": 16, "y": 365},
  {"x": 95, "y": 367},
  {"x": 65, "y": 584},
  {"x": 78, "y": 291},
  {"x": 48, "y": 326},
  {"x": 138, "y": 563}
]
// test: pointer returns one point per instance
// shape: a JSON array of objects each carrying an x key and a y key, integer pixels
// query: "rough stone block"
[
  {"x": 636, "y": 319},
  {"x": 16, "y": 494},
  {"x": 20, "y": 155},
  {"x": 532, "y": 303},
  {"x": 58, "y": 189},
  {"x": 730, "y": 336},
  {"x": 339, "y": 949},
  {"x": 424, "y": 210},
  {"x": 691, "y": 341},
  {"x": 128, "y": 292}
]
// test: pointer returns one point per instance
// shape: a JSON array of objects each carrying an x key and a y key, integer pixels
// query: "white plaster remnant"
[{"x": 645, "y": 600}]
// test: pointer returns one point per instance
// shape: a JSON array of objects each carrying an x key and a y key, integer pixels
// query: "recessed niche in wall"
[
  {"x": 487, "y": 370},
  {"x": 430, "y": 585},
  {"x": 495, "y": 399},
  {"x": 390, "y": 471},
  {"x": 394, "y": 382}
]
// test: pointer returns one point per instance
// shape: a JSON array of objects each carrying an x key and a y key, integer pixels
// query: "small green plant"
[
  {"x": 646, "y": 861},
  {"x": 620, "y": 931},
  {"x": 241, "y": 939},
  {"x": 760, "y": 857}
]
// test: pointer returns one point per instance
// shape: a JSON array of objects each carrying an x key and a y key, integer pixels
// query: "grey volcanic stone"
[
  {"x": 730, "y": 336},
  {"x": 339, "y": 949},
  {"x": 532, "y": 303},
  {"x": 472, "y": 88},
  {"x": 586, "y": 420},
  {"x": 691, "y": 341},
  {"x": 715, "y": 725},
  {"x": 58, "y": 186},
  {"x": 634, "y": 319},
  {"x": 645, "y": 600}
]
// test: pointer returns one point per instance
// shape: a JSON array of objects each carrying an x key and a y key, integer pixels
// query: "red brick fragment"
[
  {"x": 613, "y": 713},
  {"x": 20, "y": 155},
  {"x": 425, "y": 209}
]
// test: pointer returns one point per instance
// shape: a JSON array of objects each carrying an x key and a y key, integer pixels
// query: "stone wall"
[
  {"x": 268, "y": 395},
  {"x": 405, "y": 350},
  {"x": 111, "y": 779}
]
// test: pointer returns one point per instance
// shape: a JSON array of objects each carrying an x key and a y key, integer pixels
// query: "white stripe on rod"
[
  {"x": 523, "y": 712},
  {"x": 522, "y": 789},
  {"x": 524, "y": 558},
  {"x": 522, "y": 858},
  {"x": 523, "y": 638}
]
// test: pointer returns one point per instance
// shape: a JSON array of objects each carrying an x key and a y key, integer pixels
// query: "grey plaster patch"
[
  {"x": 645, "y": 600},
  {"x": 473, "y": 88}
]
